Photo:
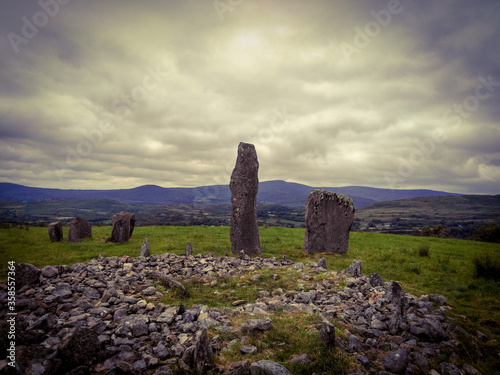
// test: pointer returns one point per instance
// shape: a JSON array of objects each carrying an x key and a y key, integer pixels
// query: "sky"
[{"x": 118, "y": 93}]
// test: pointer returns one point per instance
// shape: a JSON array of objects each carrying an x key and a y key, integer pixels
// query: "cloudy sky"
[{"x": 120, "y": 93}]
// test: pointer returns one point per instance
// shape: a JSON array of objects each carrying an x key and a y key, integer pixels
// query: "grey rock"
[
  {"x": 79, "y": 347},
  {"x": 203, "y": 352},
  {"x": 449, "y": 369},
  {"x": 469, "y": 370},
  {"x": 145, "y": 248},
  {"x": 395, "y": 361},
  {"x": 62, "y": 290},
  {"x": 149, "y": 291},
  {"x": 364, "y": 361},
  {"x": 375, "y": 279},
  {"x": 355, "y": 344},
  {"x": 322, "y": 263},
  {"x": 328, "y": 220},
  {"x": 49, "y": 271},
  {"x": 135, "y": 325},
  {"x": 252, "y": 325},
  {"x": 78, "y": 229},
  {"x": 26, "y": 275},
  {"x": 123, "y": 226},
  {"x": 248, "y": 349},
  {"x": 56, "y": 231},
  {"x": 267, "y": 367},
  {"x": 304, "y": 358},
  {"x": 354, "y": 269},
  {"x": 239, "y": 368},
  {"x": 189, "y": 249},
  {"x": 244, "y": 185},
  {"x": 327, "y": 333}
]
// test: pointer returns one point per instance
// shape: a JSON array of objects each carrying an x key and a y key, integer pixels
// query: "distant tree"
[{"x": 488, "y": 233}]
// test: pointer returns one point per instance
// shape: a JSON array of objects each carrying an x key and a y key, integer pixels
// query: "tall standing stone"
[
  {"x": 56, "y": 231},
  {"x": 79, "y": 228},
  {"x": 244, "y": 186},
  {"x": 328, "y": 220},
  {"x": 123, "y": 226}
]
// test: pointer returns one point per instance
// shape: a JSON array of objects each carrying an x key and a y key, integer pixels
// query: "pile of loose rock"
[{"x": 95, "y": 318}]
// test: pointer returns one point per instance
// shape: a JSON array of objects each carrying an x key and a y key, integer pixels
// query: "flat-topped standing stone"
[
  {"x": 123, "y": 227},
  {"x": 56, "y": 231},
  {"x": 328, "y": 220},
  {"x": 244, "y": 186},
  {"x": 79, "y": 228}
]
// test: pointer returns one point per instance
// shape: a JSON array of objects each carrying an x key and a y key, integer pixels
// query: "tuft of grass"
[
  {"x": 424, "y": 251},
  {"x": 486, "y": 267}
]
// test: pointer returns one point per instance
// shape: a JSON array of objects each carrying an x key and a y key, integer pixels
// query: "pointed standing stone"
[
  {"x": 145, "y": 248},
  {"x": 189, "y": 249},
  {"x": 244, "y": 186},
  {"x": 328, "y": 220}
]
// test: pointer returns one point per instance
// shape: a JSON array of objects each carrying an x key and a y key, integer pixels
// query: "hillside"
[
  {"x": 272, "y": 192},
  {"x": 456, "y": 213}
]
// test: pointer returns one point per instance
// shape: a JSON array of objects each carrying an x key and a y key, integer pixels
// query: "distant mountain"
[{"x": 275, "y": 192}]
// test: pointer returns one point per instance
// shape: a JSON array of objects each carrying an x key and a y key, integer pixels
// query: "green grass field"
[{"x": 444, "y": 267}]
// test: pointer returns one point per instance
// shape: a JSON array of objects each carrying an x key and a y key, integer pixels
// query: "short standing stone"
[
  {"x": 244, "y": 186},
  {"x": 354, "y": 269},
  {"x": 79, "y": 228},
  {"x": 203, "y": 352},
  {"x": 145, "y": 248},
  {"x": 123, "y": 226},
  {"x": 56, "y": 231},
  {"x": 328, "y": 221},
  {"x": 189, "y": 249}
]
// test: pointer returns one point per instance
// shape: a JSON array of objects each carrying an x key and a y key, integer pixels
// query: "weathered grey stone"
[
  {"x": 267, "y": 367},
  {"x": 123, "y": 226},
  {"x": 395, "y": 361},
  {"x": 303, "y": 358},
  {"x": 56, "y": 231},
  {"x": 355, "y": 269},
  {"x": 375, "y": 279},
  {"x": 135, "y": 325},
  {"x": 27, "y": 275},
  {"x": 239, "y": 368},
  {"x": 49, "y": 271},
  {"x": 328, "y": 219},
  {"x": 322, "y": 263},
  {"x": 248, "y": 349},
  {"x": 79, "y": 228},
  {"x": 327, "y": 333},
  {"x": 189, "y": 249},
  {"x": 244, "y": 186},
  {"x": 202, "y": 352},
  {"x": 79, "y": 347},
  {"x": 252, "y": 325},
  {"x": 449, "y": 369},
  {"x": 145, "y": 248}
]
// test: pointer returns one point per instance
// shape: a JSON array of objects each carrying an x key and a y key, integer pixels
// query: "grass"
[{"x": 422, "y": 265}]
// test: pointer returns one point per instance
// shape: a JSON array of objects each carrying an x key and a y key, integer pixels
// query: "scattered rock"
[
  {"x": 252, "y": 325},
  {"x": 27, "y": 275},
  {"x": 328, "y": 219},
  {"x": 244, "y": 186},
  {"x": 327, "y": 333},
  {"x": 395, "y": 361},
  {"x": 355, "y": 269},
  {"x": 248, "y": 349}
]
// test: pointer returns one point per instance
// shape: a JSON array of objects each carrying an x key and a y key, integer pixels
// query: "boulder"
[
  {"x": 328, "y": 219},
  {"x": 56, "y": 231},
  {"x": 327, "y": 333},
  {"x": 79, "y": 228},
  {"x": 244, "y": 186},
  {"x": 395, "y": 361},
  {"x": 80, "y": 347},
  {"x": 123, "y": 226}
]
